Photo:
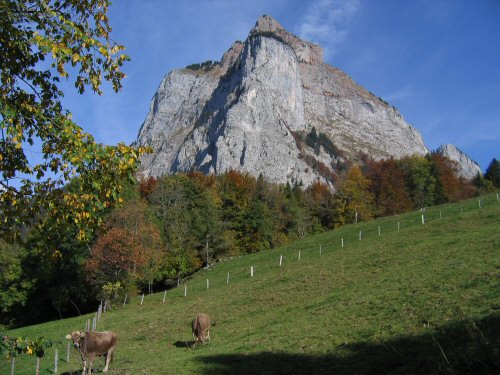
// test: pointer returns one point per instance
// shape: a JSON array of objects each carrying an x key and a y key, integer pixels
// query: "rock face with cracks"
[{"x": 271, "y": 106}]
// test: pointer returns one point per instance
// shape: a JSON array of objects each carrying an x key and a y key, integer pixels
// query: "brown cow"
[
  {"x": 201, "y": 328},
  {"x": 90, "y": 344}
]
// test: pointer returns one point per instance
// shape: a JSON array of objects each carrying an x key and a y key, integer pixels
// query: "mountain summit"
[{"x": 271, "y": 106}]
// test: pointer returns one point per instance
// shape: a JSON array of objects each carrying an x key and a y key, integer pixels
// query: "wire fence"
[{"x": 232, "y": 270}]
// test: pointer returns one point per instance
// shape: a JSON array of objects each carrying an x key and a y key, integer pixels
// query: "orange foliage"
[
  {"x": 454, "y": 187},
  {"x": 148, "y": 186},
  {"x": 388, "y": 184},
  {"x": 130, "y": 248}
]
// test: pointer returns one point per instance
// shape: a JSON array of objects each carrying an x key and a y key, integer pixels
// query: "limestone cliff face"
[
  {"x": 468, "y": 168},
  {"x": 257, "y": 110}
]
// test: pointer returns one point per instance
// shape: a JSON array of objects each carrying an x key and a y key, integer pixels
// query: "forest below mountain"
[{"x": 168, "y": 228}]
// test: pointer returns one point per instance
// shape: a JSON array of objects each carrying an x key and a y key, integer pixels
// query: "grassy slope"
[{"x": 424, "y": 299}]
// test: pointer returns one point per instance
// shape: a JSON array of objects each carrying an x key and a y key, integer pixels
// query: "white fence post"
[
  {"x": 360, "y": 235},
  {"x": 319, "y": 249},
  {"x": 55, "y": 360},
  {"x": 208, "y": 284},
  {"x": 164, "y": 296},
  {"x": 299, "y": 254},
  {"x": 423, "y": 219},
  {"x": 440, "y": 214},
  {"x": 12, "y": 365},
  {"x": 398, "y": 224},
  {"x": 251, "y": 271},
  {"x": 227, "y": 280},
  {"x": 281, "y": 259},
  {"x": 498, "y": 198},
  {"x": 379, "y": 230},
  {"x": 67, "y": 352},
  {"x": 142, "y": 299},
  {"x": 479, "y": 202},
  {"x": 342, "y": 241},
  {"x": 185, "y": 290}
]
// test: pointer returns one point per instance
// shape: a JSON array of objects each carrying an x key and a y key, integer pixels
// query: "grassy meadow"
[{"x": 421, "y": 299}]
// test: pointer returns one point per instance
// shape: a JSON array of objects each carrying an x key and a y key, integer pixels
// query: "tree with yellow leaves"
[
  {"x": 39, "y": 41},
  {"x": 354, "y": 202}
]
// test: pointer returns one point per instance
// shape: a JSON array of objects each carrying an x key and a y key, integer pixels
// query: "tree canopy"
[{"x": 41, "y": 42}]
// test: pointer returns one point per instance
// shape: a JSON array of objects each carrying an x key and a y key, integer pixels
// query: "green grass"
[{"x": 424, "y": 299}]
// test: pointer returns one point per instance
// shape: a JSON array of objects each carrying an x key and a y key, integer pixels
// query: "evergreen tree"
[{"x": 493, "y": 173}]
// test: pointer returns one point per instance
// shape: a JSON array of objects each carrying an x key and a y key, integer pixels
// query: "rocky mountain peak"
[
  {"x": 270, "y": 107},
  {"x": 468, "y": 168},
  {"x": 267, "y": 23},
  {"x": 306, "y": 52}
]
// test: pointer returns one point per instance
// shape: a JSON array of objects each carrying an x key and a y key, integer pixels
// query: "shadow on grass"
[
  {"x": 463, "y": 347},
  {"x": 184, "y": 344}
]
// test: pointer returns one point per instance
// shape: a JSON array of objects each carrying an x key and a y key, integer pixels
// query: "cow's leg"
[
  {"x": 208, "y": 334},
  {"x": 91, "y": 357},
  {"x": 109, "y": 355},
  {"x": 84, "y": 367}
]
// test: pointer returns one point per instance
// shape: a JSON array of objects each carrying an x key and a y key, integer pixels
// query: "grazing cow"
[
  {"x": 201, "y": 328},
  {"x": 90, "y": 344}
]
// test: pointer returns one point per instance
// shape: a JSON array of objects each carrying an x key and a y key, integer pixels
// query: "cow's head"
[{"x": 76, "y": 337}]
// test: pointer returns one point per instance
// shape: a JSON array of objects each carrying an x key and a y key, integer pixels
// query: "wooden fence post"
[{"x": 12, "y": 365}]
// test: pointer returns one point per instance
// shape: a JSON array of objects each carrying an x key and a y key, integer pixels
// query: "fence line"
[{"x": 410, "y": 220}]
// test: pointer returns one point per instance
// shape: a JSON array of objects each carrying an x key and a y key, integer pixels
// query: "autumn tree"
[
  {"x": 388, "y": 186},
  {"x": 450, "y": 187},
  {"x": 129, "y": 250},
  {"x": 322, "y": 204},
  {"x": 353, "y": 199},
  {"x": 41, "y": 42}
]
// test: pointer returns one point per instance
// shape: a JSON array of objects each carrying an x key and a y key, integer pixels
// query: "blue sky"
[{"x": 437, "y": 61}]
